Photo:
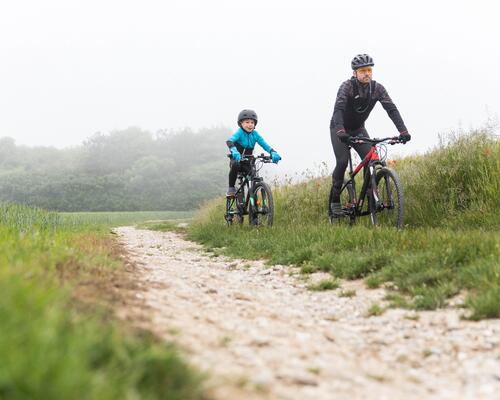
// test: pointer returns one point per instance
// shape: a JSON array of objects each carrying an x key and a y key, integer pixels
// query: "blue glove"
[
  {"x": 275, "y": 157},
  {"x": 236, "y": 154}
]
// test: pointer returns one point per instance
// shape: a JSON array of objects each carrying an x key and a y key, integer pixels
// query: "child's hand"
[
  {"x": 236, "y": 154},
  {"x": 275, "y": 157}
]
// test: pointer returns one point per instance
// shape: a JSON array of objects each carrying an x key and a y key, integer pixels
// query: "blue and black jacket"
[{"x": 245, "y": 141}]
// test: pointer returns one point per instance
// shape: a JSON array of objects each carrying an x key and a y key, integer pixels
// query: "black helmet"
[
  {"x": 247, "y": 114},
  {"x": 362, "y": 60}
]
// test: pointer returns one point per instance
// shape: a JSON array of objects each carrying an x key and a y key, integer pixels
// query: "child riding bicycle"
[{"x": 242, "y": 142}]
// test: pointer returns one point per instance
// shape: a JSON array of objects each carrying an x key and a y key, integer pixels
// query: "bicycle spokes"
[
  {"x": 262, "y": 205},
  {"x": 234, "y": 211},
  {"x": 390, "y": 210}
]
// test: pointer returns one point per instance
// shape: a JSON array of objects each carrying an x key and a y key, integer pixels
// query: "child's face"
[{"x": 248, "y": 125}]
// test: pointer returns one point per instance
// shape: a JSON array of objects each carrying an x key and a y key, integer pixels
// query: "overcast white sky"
[{"x": 70, "y": 68}]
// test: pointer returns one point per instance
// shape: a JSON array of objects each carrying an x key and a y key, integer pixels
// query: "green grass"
[
  {"x": 375, "y": 310},
  {"x": 112, "y": 219},
  {"x": 451, "y": 241},
  {"x": 325, "y": 284},
  {"x": 456, "y": 185},
  {"x": 177, "y": 225},
  {"x": 51, "y": 346},
  {"x": 347, "y": 293}
]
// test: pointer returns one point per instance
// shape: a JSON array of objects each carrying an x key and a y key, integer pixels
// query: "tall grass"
[
  {"x": 456, "y": 185},
  {"x": 450, "y": 242},
  {"x": 22, "y": 218},
  {"x": 51, "y": 350}
]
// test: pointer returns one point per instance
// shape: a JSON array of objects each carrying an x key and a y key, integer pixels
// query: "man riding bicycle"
[{"x": 355, "y": 100}]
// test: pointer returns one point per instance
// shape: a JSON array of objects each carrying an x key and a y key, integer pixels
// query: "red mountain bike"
[{"x": 381, "y": 188}]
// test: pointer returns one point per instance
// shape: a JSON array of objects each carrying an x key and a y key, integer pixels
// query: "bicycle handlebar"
[
  {"x": 391, "y": 140},
  {"x": 249, "y": 157}
]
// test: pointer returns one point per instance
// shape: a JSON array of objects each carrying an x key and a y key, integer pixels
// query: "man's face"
[
  {"x": 364, "y": 75},
  {"x": 248, "y": 125}
]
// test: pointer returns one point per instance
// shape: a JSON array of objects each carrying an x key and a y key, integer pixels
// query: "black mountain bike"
[
  {"x": 381, "y": 188},
  {"x": 253, "y": 196}
]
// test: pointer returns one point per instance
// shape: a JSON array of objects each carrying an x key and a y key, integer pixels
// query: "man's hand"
[
  {"x": 343, "y": 135},
  {"x": 404, "y": 136}
]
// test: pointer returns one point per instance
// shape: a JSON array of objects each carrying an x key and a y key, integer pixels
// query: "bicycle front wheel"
[
  {"x": 390, "y": 208},
  {"x": 262, "y": 205}
]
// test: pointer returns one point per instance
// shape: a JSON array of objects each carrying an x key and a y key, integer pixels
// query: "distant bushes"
[{"x": 127, "y": 170}]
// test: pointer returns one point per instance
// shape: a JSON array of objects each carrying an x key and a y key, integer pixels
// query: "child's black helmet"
[
  {"x": 247, "y": 114},
  {"x": 362, "y": 60}
]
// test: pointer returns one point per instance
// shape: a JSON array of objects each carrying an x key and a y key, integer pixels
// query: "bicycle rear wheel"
[
  {"x": 230, "y": 210},
  {"x": 390, "y": 210},
  {"x": 347, "y": 202},
  {"x": 241, "y": 205},
  {"x": 262, "y": 205},
  {"x": 235, "y": 207}
]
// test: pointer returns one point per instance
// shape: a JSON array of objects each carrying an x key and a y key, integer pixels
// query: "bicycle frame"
[
  {"x": 369, "y": 164},
  {"x": 246, "y": 180}
]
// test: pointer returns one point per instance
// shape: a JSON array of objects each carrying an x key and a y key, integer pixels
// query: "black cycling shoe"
[{"x": 336, "y": 210}]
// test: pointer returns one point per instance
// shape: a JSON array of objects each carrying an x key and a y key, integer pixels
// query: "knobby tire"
[
  {"x": 262, "y": 210},
  {"x": 391, "y": 205}
]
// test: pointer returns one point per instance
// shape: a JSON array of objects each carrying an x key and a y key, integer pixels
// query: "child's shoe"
[{"x": 231, "y": 191}]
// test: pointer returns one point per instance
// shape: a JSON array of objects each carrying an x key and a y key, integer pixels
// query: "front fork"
[
  {"x": 373, "y": 185},
  {"x": 369, "y": 188},
  {"x": 252, "y": 207}
]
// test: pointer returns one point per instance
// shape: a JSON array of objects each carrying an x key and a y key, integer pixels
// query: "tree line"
[{"x": 125, "y": 170}]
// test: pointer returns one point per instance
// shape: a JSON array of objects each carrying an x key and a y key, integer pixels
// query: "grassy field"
[
  {"x": 111, "y": 219},
  {"x": 53, "y": 346},
  {"x": 450, "y": 244}
]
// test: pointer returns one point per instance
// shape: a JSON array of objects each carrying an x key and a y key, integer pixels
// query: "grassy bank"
[
  {"x": 53, "y": 348},
  {"x": 451, "y": 242}
]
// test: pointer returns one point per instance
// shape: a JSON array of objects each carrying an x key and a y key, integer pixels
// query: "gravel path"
[{"x": 261, "y": 334}]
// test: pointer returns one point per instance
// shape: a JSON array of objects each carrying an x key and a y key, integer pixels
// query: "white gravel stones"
[{"x": 239, "y": 319}]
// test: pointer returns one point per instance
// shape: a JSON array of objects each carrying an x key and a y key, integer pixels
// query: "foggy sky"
[{"x": 71, "y": 68}]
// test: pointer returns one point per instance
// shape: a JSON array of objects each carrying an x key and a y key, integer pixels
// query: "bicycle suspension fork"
[{"x": 373, "y": 182}]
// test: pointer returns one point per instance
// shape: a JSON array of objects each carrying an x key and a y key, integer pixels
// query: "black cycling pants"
[
  {"x": 235, "y": 167},
  {"x": 341, "y": 151}
]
